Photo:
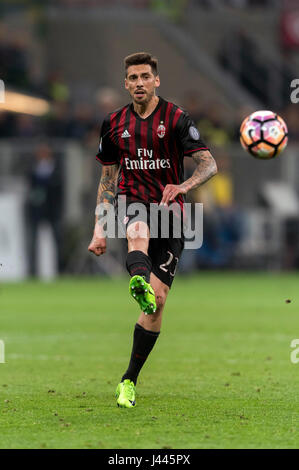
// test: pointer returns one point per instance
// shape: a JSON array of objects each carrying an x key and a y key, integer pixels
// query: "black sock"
[
  {"x": 143, "y": 343},
  {"x": 139, "y": 263}
]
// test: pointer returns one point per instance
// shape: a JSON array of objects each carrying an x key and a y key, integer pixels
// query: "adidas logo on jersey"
[{"x": 125, "y": 134}]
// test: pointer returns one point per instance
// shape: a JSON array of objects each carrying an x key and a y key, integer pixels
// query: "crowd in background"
[
  {"x": 237, "y": 3},
  {"x": 81, "y": 121},
  {"x": 14, "y": 67},
  {"x": 153, "y": 3},
  {"x": 69, "y": 118}
]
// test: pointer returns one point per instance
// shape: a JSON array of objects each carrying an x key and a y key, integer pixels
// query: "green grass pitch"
[{"x": 220, "y": 375}]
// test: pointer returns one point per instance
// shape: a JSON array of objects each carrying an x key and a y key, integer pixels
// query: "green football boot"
[
  {"x": 143, "y": 293},
  {"x": 125, "y": 394}
]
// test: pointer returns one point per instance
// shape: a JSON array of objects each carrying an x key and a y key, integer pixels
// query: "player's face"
[{"x": 141, "y": 83}]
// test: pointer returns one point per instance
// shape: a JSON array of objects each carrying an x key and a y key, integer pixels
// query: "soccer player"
[{"x": 142, "y": 148}]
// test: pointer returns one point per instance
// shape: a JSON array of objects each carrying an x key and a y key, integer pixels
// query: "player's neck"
[{"x": 145, "y": 109}]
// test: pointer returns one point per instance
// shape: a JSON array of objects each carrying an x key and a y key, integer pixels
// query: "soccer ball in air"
[{"x": 264, "y": 134}]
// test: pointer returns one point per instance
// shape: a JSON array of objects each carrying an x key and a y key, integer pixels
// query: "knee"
[
  {"x": 137, "y": 243},
  {"x": 137, "y": 233},
  {"x": 160, "y": 299},
  {"x": 160, "y": 302},
  {"x": 153, "y": 321}
]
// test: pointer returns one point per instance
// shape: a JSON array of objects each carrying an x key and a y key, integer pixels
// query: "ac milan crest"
[{"x": 161, "y": 130}]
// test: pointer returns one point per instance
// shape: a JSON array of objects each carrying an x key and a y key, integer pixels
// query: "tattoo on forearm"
[
  {"x": 206, "y": 168},
  {"x": 107, "y": 185}
]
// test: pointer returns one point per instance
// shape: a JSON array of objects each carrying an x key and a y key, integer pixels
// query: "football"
[{"x": 264, "y": 134}]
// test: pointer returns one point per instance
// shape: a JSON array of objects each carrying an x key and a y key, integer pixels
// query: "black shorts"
[{"x": 164, "y": 252}]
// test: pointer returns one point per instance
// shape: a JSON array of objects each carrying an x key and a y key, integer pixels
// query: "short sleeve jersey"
[{"x": 150, "y": 151}]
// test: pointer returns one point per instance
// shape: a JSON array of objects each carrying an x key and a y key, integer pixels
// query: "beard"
[{"x": 143, "y": 99}]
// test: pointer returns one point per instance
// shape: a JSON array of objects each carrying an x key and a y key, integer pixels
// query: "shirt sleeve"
[
  {"x": 189, "y": 136},
  {"x": 107, "y": 153}
]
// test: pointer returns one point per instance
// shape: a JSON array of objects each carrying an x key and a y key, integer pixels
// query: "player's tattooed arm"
[
  {"x": 107, "y": 186},
  {"x": 105, "y": 198},
  {"x": 205, "y": 169}
]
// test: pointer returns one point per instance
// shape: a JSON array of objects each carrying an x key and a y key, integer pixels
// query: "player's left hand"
[{"x": 171, "y": 191}]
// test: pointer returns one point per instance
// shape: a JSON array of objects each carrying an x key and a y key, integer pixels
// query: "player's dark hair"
[{"x": 140, "y": 58}]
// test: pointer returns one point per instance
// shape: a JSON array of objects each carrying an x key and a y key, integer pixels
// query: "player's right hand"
[{"x": 98, "y": 242}]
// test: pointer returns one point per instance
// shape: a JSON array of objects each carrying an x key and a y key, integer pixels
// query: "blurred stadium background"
[{"x": 61, "y": 63}]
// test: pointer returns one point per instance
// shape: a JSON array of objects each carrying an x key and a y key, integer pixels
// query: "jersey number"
[{"x": 166, "y": 266}]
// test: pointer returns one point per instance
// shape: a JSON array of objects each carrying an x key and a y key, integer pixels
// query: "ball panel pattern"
[{"x": 264, "y": 134}]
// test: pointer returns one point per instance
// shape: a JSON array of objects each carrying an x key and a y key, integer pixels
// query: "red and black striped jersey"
[{"x": 150, "y": 151}]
